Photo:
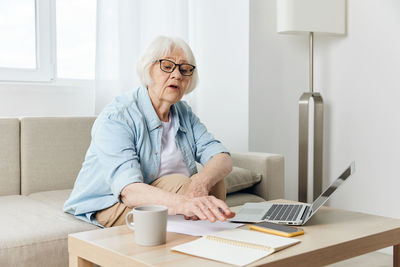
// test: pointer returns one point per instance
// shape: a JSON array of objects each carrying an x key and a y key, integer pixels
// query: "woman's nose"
[{"x": 176, "y": 73}]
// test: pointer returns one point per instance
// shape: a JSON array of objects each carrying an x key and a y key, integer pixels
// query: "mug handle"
[{"x": 128, "y": 221}]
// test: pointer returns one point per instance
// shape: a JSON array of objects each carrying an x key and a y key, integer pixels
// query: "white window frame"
[{"x": 45, "y": 32}]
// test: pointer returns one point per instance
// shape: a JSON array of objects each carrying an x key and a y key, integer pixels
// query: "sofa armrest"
[{"x": 270, "y": 166}]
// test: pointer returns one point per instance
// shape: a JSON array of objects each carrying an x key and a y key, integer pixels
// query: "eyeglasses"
[{"x": 169, "y": 67}]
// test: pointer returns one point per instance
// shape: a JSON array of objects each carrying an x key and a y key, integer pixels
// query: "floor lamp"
[{"x": 311, "y": 16}]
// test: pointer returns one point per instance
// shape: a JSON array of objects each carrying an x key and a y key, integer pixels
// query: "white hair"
[{"x": 161, "y": 47}]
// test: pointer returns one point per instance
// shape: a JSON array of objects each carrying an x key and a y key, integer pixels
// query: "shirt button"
[
  {"x": 151, "y": 175},
  {"x": 155, "y": 152}
]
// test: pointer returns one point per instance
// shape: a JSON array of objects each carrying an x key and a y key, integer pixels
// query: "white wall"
[
  {"x": 278, "y": 72},
  {"x": 358, "y": 76},
  {"x": 220, "y": 38},
  {"x": 34, "y": 99}
]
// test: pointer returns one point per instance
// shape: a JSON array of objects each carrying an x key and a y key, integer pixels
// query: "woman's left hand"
[
  {"x": 197, "y": 188},
  {"x": 205, "y": 207}
]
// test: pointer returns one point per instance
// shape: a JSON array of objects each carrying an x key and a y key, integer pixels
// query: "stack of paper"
[{"x": 178, "y": 224}]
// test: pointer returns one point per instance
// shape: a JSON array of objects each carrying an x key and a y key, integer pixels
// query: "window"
[
  {"x": 76, "y": 39},
  {"x": 47, "y": 39},
  {"x": 18, "y": 42},
  {"x": 28, "y": 52}
]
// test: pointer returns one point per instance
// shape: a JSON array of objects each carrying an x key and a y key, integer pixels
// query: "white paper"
[{"x": 178, "y": 224}]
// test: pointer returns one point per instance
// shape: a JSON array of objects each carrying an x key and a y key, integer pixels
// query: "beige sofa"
[{"x": 39, "y": 161}]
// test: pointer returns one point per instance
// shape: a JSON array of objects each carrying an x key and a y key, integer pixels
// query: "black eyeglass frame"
[{"x": 175, "y": 64}]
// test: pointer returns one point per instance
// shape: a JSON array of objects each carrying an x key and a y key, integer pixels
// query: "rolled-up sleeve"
[
  {"x": 114, "y": 142},
  {"x": 206, "y": 145}
]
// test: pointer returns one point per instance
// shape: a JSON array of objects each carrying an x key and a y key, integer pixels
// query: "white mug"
[{"x": 149, "y": 223}]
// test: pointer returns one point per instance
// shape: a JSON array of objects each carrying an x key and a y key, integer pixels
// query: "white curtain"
[{"x": 124, "y": 29}]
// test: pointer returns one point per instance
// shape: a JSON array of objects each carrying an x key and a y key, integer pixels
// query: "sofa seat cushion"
[
  {"x": 33, "y": 233},
  {"x": 54, "y": 199},
  {"x": 240, "y": 198}
]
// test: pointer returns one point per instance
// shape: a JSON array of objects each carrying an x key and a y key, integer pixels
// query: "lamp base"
[{"x": 304, "y": 105}]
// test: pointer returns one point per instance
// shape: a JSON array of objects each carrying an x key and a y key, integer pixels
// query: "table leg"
[
  {"x": 76, "y": 261},
  {"x": 396, "y": 255}
]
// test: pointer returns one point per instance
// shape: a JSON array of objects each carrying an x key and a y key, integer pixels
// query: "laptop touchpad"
[{"x": 250, "y": 211}]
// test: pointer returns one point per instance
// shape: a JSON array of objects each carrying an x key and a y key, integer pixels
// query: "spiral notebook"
[{"x": 237, "y": 246}]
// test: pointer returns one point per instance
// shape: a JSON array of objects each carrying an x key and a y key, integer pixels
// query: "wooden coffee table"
[{"x": 332, "y": 235}]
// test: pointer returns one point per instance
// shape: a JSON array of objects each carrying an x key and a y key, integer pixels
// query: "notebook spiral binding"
[{"x": 239, "y": 243}]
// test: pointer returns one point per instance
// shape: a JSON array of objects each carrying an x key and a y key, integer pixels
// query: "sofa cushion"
[
  {"x": 238, "y": 179},
  {"x": 52, "y": 152},
  {"x": 32, "y": 232},
  {"x": 54, "y": 199},
  {"x": 9, "y": 157}
]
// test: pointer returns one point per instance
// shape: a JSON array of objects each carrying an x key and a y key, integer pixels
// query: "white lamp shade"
[{"x": 325, "y": 16}]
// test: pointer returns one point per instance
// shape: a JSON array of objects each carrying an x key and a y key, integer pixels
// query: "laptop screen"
[{"x": 332, "y": 188}]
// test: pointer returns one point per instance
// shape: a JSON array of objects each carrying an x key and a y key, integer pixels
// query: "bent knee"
[
  {"x": 175, "y": 183},
  {"x": 219, "y": 190}
]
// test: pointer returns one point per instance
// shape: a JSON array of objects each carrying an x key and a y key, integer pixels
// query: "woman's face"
[{"x": 168, "y": 88}]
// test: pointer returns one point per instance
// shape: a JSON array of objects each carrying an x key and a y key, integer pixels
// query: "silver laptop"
[{"x": 293, "y": 214}]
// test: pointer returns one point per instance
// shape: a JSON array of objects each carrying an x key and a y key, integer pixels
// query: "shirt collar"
[{"x": 147, "y": 108}]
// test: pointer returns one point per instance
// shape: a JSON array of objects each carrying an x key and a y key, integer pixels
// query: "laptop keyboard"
[{"x": 283, "y": 212}]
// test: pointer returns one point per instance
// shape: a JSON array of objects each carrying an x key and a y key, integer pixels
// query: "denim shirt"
[{"x": 125, "y": 149}]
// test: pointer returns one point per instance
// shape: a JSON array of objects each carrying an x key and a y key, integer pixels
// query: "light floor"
[{"x": 373, "y": 259}]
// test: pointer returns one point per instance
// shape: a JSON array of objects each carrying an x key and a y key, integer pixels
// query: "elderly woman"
[{"x": 144, "y": 148}]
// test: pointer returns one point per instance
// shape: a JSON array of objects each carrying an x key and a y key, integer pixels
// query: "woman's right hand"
[{"x": 205, "y": 208}]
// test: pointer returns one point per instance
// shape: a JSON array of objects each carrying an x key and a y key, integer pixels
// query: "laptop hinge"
[{"x": 305, "y": 213}]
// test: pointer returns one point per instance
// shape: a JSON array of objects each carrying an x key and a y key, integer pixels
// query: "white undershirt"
[{"x": 171, "y": 156}]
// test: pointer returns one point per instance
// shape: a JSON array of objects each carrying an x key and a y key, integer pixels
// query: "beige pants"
[{"x": 176, "y": 183}]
